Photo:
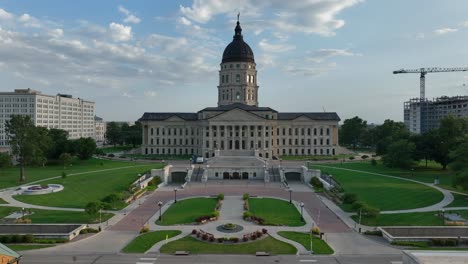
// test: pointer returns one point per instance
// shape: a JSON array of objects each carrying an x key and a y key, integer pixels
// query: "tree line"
[
  {"x": 447, "y": 145},
  {"x": 124, "y": 134},
  {"x": 36, "y": 146}
]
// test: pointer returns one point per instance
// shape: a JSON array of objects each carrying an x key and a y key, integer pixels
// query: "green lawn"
[
  {"x": 23, "y": 247},
  {"x": 56, "y": 217},
  {"x": 82, "y": 189},
  {"x": 186, "y": 211},
  {"x": 459, "y": 201},
  {"x": 3, "y": 201},
  {"x": 143, "y": 243},
  {"x": 160, "y": 157},
  {"x": 383, "y": 192},
  {"x": 316, "y": 157},
  {"x": 9, "y": 177},
  {"x": 410, "y": 219},
  {"x": 275, "y": 212},
  {"x": 319, "y": 246},
  {"x": 195, "y": 246}
]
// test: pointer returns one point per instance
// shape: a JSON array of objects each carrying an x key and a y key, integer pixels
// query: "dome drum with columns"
[{"x": 238, "y": 126}]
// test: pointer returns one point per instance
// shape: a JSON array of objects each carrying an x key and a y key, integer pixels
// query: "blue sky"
[{"x": 141, "y": 56}]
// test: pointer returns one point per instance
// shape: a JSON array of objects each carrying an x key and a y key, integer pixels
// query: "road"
[{"x": 31, "y": 258}]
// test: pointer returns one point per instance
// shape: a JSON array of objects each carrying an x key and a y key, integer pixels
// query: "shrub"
[
  {"x": 373, "y": 162},
  {"x": 253, "y": 237},
  {"x": 247, "y": 214},
  {"x": 220, "y": 197},
  {"x": 315, "y": 230},
  {"x": 84, "y": 231},
  {"x": 234, "y": 239},
  {"x": 64, "y": 175},
  {"x": 364, "y": 157},
  {"x": 110, "y": 155},
  {"x": 245, "y": 196},
  {"x": 220, "y": 239},
  {"x": 373, "y": 233},
  {"x": 28, "y": 238},
  {"x": 349, "y": 198},
  {"x": 205, "y": 237},
  {"x": 245, "y": 238},
  {"x": 215, "y": 214},
  {"x": 203, "y": 218},
  {"x": 314, "y": 181},
  {"x": 16, "y": 239},
  {"x": 156, "y": 180},
  {"x": 444, "y": 242},
  {"x": 358, "y": 205},
  {"x": 259, "y": 233},
  {"x": 145, "y": 229},
  {"x": 371, "y": 211},
  {"x": 194, "y": 231},
  {"x": 264, "y": 231},
  {"x": 212, "y": 239},
  {"x": 351, "y": 158},
  {"x": 410, "y": 243},
  {"x": 246, "y": 205}
]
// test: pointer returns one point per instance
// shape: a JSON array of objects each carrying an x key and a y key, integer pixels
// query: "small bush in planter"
[
  {"x": 204, "y": 237},
  {"x": 245, "y": 239},
  {"x": 220, "y": 239},
  {"x": 194, "y": 231},
  {"x": 215, "y": 214},
  {"x": 351, "y": 158},
  {"x": 259, "y": 233},
  {"x": 220, "y": 197},
  {"x": 364, "y": 157},
  {"x": 245, "y": 196},
  {"x": 253, "y": 237},
  {"x": 247, "y": 214},
  {"x": 264, "y": 231},
  {"x": 212, "y": 239},
  {"x": 234, "y": 239}
]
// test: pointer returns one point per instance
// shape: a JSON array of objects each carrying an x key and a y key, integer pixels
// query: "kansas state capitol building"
[{"x": 238, "y": 126}]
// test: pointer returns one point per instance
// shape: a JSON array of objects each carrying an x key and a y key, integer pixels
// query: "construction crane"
[{"x": 424, "y": 71}]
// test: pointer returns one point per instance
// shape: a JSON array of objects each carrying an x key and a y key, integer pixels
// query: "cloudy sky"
[{"x": 160, "y": 56}]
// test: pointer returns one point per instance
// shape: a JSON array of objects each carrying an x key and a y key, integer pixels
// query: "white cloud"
[
  {"x": 184, "y": 21},
  {"x": 150, "y": 94},
  {"x": 306, "y": 16},
  {"x": 4, "y": 15},
  {"x": 267, "y": 47},
  {"x": 120, "y": 32},
  {"x": 443, "y": 31},
  {"x": 56, "y": 33},
  {"x": 323, "y": 54},
  {"x": 130, "y": 18},
  {"x": 165, "y": 43},
  {"x": 29, "y": 21}
]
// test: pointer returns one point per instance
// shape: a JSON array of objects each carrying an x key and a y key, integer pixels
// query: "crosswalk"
[{"x": 146, "y": 261}]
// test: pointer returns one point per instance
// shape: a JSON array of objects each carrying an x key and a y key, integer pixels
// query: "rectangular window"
[{"x": 237, "y": 77}]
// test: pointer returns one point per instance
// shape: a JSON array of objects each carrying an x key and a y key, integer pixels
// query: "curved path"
[{"x": 448, "y": 196}]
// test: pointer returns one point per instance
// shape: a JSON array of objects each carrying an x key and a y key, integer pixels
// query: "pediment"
[
  {"x": 236, "y": 115},
  {"x": 174, "y": 119},
  {"x": 302, "y": 118}
]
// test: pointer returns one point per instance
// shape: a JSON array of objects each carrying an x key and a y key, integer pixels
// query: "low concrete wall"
[
  {"x": 423, "y": 233},
  {"x": 46, "y": 231}
]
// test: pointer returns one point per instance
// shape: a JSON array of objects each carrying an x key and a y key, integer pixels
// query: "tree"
[
  {"x": 399, "y": 154},
  {"x": 425, "y": 144},
  {"x": 133, "y": 135},
  {"x": 450, "y": 134},
  {"x": 459, "y": 164},
  {"x": 114, "y": 134},
  {"x": 85, "y": 148},
  {"x": 66, "y": 159},
  {"x": 27, "y": 142},
  {"x": 92, "y": 209},
  {"x": 352, "y": 130},
  {"x": 60, "y": 143},
  {"x": 5, "y": 161},
  {"x": 387, "y": 133}
]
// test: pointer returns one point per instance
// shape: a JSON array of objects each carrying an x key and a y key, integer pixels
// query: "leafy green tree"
[
  {"x": 60, "y": 143},
  {"x": 5, "y": 161},
  {"x": 92, "y": 209},
  {"x": 112, "y": 200},
  {"x": 399, "y": 154},
  {"x": 459, "y": 164},
  {"x": 450, "y": 134},
  {"x": 28, "y": 143},
  {"x": 352, "y": 130},
  {"x": 425, "y": 145},
  {"x": 133, "y": 135},
  {"x": 114, "y": 134},
  {"x": 85, "y": 148},
  {"x": 65, "y": 159},
  {"x": 387, "y": 133}
]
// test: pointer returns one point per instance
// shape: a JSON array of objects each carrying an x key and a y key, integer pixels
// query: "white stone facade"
[
  {"x": 101, "y": 129},
  {"x": 74, "y": 115}
]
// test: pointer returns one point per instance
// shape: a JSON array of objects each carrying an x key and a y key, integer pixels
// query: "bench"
[
  {"x": 262, "y": 254},
  {"x": 181, "y": 253}
]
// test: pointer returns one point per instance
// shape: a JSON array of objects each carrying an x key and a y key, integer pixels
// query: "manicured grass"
[
  {"x": 459, "y": 201},
  {"x": 143, "y": 243},
  {"x": 159, "y": 157},
  {"x": 23, "y": 247},
  {"x": 318, "y": 245},
  {"x": 82, "y": 189},
  {"x": 56, "y": 217},
  {"x": 275, "y": 212},
  {"x": 9, "y": 177},
  {"x": 3, "y": 201},
  {"x": 186, "y": 211},
  {"x": 410, "y": 219},
  {"x": 383, "y": 192},
  {"x": 194, "y": 246}
]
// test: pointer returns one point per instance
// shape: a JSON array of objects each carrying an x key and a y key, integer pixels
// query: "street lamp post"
[
  {"x": 302, "y": 209},
  {"x": 290, "y": 192},
  {"x": 175, "y": 195},
  {"x": 22, "y": 211},
  {"x": 160, "y": 214}
]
